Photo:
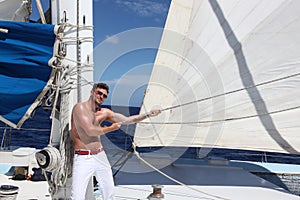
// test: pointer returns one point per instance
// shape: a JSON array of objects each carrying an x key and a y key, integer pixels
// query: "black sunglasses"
[{"x": 101, "y": 93}]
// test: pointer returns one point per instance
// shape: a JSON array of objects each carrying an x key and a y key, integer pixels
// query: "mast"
[
  {"x": 73, "y": 85},
  {"x": 79, "y": 47}
]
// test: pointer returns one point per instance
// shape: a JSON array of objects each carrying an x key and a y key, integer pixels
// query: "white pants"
[{"x": 87, "y": 166}]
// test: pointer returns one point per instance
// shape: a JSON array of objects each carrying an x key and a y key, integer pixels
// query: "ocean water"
[{"x": 36, "y": 131}]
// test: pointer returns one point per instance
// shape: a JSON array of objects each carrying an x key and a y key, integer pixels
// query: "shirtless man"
[{"x": 90, "y": 159}]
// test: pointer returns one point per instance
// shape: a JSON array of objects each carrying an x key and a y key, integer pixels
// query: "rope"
[
  {"x": 153, "y": 127},
  {"x": 76, "y": 62},
  {"x": 81, "y": 27},
  {"x": 61, "y": 86},
  {"x": 228, "y": 119},
  {"x": 233, "y": 91},
  {"x": 224, "y": 94},
  {"x": 3, "y": 30},
  {"x": 3, "y": 138},
  {"x": 80, "y": 39},
  {"x": 59, "y": 176},
  {"x": 169, "y": 177}
]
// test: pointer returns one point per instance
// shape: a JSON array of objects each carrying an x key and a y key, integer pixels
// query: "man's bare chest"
[{"x": 100, "y": 116}]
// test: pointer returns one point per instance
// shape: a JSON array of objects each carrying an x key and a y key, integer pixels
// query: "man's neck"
[{"x": 92, "y": 105}]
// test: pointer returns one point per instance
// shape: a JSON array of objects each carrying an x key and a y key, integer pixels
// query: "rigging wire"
[
  {"x": 153, "y": 127},
  {"x": 171, "y": 178}
]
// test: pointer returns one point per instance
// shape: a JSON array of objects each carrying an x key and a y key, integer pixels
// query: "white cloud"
[
  {"x": 112, "y": 39},
  {"x": 145, "y": 8}
]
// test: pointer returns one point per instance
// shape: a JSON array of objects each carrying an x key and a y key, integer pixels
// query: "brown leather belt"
[{"x": 88, "y": 152}]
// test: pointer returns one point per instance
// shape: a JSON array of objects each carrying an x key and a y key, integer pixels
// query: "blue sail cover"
[{"x": 25, "y": 49}]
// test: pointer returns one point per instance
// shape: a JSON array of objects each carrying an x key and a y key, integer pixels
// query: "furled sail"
[
  {"x": 25, "y": 49},
  {"x": 226, "y": 75}
]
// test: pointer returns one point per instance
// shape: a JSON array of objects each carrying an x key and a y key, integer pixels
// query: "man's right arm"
[{"x": 134, "y": 118}]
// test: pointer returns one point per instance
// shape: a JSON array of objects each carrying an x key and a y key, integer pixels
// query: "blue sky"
[
  {"x": 120, "y": 24},
  {"x": 125, "y": 46}
]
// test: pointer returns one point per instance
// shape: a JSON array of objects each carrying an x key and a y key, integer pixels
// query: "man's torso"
[{"x": 81, "y": 139}]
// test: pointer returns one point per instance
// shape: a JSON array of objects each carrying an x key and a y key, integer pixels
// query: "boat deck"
[{"x": 200, "y": 179}]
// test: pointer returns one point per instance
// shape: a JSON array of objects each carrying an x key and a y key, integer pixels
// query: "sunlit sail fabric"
[
  {"x": 15, "y": 10},
  {"x": 25, "y": 49},
  {"x": 226, "y": 75}
]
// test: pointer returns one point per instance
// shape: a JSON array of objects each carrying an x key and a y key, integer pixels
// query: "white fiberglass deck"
[{"x": 204, "y": 180}]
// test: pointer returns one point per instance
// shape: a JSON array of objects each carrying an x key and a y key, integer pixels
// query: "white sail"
[
  {"x": 226, "y": 75},
  {"x": 15, "y": 10}
]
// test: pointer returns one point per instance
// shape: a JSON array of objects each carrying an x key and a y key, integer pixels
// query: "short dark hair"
[{"x": 102, "y": 86}]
